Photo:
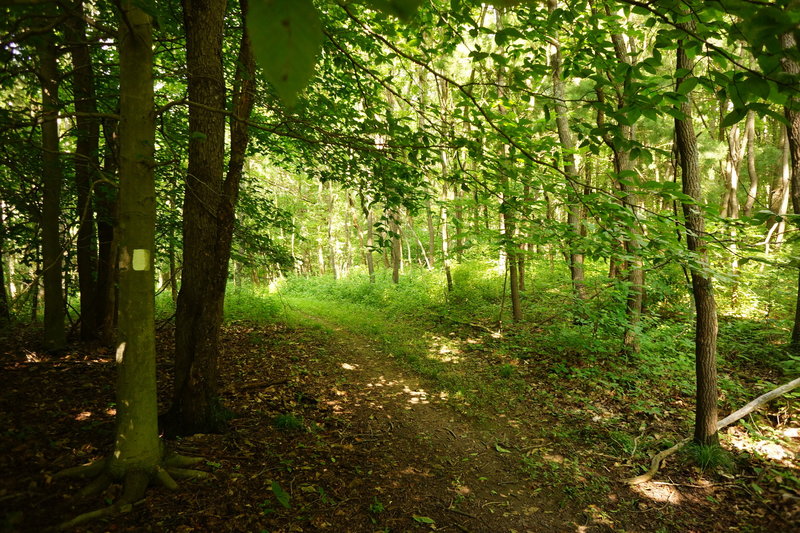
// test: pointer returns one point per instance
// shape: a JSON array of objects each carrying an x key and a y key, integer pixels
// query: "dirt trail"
[
  {"x": 433, "y": 461},
  {"x": 331, "y": 435}
]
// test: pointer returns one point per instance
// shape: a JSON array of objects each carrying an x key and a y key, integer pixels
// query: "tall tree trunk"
[
  {"x": 195, "y": 406},
  {"x": 370, "y": 243},
  {"x": 431, "y": 254},
  {"x": 574, "y": 216},
  {"x": 792, "y": 114},
  {"x": 750, "y": 135},
  {"x": 624, "y": 169},
  {"x": 705, "y": 429},
  {"x": 88, "y": 134},
  {"x": 331, "y": 198},
  {"x": 445, "y": 236},
  {"x": 105, "y": 198},
  {"x": 52, "y": 254},
  {"x": 397, "y": 249},
  {"x": 5, "y": 314},
  {"x": 137, "y": 449},
  {"x": 779, "y": 199}
]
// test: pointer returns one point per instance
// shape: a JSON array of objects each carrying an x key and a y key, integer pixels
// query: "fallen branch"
[{"x": 737, "y": 415}]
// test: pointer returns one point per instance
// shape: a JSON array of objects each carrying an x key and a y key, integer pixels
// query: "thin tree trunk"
[
  {"x": 570, "y": 167},
  {"x": 370, "y": 243},
  {"x": 36, "y": 284},
  {"x": 705, "y": 430},
  {"x": 52, "y": 254},
  {"x": 430, "y": 256},
  {"x": 105, "y": 198},
  {"x": 88, "y": 138},
  {"x": 331, "y": 237},
  {"x": 397, "y": 249},
  {"x": 624, "y": 169},
  {"x": 792, "y": 114},
  {"x": 779, "y": 200},
  {"x": 5, "y": 314},
  {"x": 445, "y": 237},
  {"x": 750, "y": 134}
]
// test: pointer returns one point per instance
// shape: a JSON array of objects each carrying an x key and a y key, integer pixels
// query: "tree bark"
[
  {"x": 5, "y": 314},
  {"x": 105, "y": 198},
  {"x": 574, "y": 215},
  {"x": 397, "y": 249},
  {"x": 195, "y": 406},
  {"x": 52, "y": 254},
  {"x": 88, "y": 133},
  {"x": 624, "y": 169},
  {"x": 430, "y": 256},
  {"x": 752, "y": 173},
  {"x": 792, "y": 114},
  {"x": 705, "y": 429},
  {"x": 370, "y": 243},
  {"x": 330, "y": 201},
  {"x": 136, "y": 445}
]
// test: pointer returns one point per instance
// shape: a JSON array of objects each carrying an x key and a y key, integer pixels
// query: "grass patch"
[
  {"x": 710, "y": 457},
  {"x": 288, "y": 422}
]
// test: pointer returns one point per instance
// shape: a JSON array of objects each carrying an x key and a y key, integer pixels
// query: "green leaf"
[
  {"x": 758, "y": 86},
  {"x": 687, "y": 85},
  {"x": 423, "y": 519},
  {"x": 286, "y": 36},
  {"x": 281, "y": 495},
  {"x": 733, "y": 117},
  {"x": 501, "y": 449}
]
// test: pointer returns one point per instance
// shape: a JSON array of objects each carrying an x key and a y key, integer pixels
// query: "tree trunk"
[
  {"x": 52, "y": 254},
  {"x": 106, "y": 207},
  {"x": 195, "y": 406},
  {"x": 792, "y": 114},
  {"x": 88, "y": 133},
  {"x": 779, "y": 199},
  {"x": 331, "y": 198},
  {"x": 431, "y": 255},
  {"x": 705, "y": 429},
  {"x": 5, "y": 314},
  {"x": 750, "y": 135},
  {"x": 574, "y": 218},
  {"x": 370, "y": 243},
  {"x": 397, "y": 249},
  {"x": 445, "y": 238},
  {"x": 136, "y": 447}
]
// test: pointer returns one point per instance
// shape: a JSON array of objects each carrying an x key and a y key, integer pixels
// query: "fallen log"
[{"x": 737, "y": 415}]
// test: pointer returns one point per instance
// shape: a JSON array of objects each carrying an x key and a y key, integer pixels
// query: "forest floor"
[{"x": 333, "y": 434}]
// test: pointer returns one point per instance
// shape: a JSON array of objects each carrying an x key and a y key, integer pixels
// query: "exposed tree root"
[
  {"x": 86, "y": 471},
  {"x": 737, "y": 415},
  {"x": 135, "y": 483}
]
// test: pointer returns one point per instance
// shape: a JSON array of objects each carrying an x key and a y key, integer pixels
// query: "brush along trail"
[{"x": 332, "y": 433}]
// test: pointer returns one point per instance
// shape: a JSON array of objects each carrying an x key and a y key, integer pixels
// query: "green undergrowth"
[
  {"x": 248, "y": 302},
  {"x": 415, "y": 348}
]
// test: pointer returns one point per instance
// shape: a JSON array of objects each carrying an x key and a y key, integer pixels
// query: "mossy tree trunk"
[{"x": 136, "y": 447}]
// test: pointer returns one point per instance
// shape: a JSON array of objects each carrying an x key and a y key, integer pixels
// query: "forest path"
[{"x": 429, "y": 460}]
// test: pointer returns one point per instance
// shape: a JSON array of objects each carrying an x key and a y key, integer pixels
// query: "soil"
[{"x": 331, "y": 434}]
